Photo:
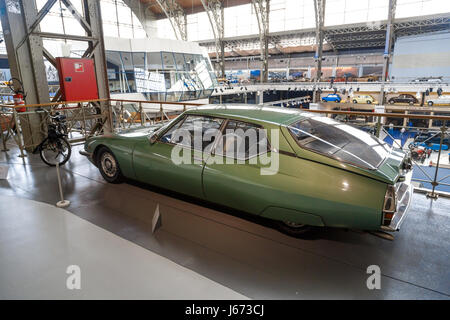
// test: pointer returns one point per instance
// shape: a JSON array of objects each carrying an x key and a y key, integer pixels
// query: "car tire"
[
  {"x": 355, "y": 102},
  {"x": 293, "y": 229},
  {"x": 411, "y": 103},
  {"x": 391, "y": 102},
  {"x": 430, "y": 103},
  {"x": 109, "y": 166},
  {"x": 369, "y": 102}
]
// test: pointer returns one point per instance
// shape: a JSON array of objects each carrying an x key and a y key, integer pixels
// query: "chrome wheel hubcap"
[{"x": 109, "y": 165}]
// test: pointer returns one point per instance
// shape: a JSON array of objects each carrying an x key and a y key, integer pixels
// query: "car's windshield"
[{"x": 340, "y": 141}]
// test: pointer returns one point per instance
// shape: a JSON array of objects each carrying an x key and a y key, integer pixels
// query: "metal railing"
[
  {"x": 83, "y": 118},
  {"x": 129, "y": 113},
  {"x": 92, "y": 117}
]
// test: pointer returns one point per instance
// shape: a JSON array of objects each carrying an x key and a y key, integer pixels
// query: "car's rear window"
[{"x": 340, "y": 141}]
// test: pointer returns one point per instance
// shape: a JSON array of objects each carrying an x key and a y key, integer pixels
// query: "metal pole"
[
  {"x": 84, "y": 120},
  {"x": 378, "y": 127},
  {"x": 141, "y": 112},
  {"x": 18, "y": 134},
  {"x": 3, "y": 139},
  {"x": 62, "y": 203},
  {"x": 433, "y": 195}
]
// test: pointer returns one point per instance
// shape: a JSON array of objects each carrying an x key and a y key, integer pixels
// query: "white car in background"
[{"x": 439, "y": 100}]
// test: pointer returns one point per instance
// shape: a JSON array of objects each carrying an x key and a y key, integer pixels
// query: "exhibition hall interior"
[{"x": 225, "y": 150}]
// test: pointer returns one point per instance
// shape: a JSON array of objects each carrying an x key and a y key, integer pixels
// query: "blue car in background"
[{"x": 332, "y": 98}]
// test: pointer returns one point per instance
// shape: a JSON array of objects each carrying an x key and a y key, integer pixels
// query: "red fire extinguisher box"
[{"x": 77, "y": 79}]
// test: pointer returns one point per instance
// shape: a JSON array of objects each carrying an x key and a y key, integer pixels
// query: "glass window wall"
[{"x": 164, "y": 76}]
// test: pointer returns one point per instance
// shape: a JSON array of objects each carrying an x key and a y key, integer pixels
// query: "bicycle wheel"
[{"x": 55, "y": 151}]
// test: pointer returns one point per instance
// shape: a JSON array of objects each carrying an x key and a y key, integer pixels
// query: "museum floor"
[{"x": 227, "y": 252}]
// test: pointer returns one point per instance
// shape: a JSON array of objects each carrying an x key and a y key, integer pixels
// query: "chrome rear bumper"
[{"x": 404, "y": 192}]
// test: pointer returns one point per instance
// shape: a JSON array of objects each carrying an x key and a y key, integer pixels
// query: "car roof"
[{"x": 276, "y": 115}]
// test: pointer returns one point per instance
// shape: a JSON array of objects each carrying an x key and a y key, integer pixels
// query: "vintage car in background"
[
  {"x": 441, "y": 100},
  {"x": 404, "y": 98},
  {"x": 366, "y": 98},
  {"x": 332, "y": 97},
  {"x": 322, "y": 172}
]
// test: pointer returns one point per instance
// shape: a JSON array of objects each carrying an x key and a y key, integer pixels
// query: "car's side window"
[
  {"x": 242, "y": 140},
  {"x": 197, "y": 132},
  {"x": 167, "y": 137}
]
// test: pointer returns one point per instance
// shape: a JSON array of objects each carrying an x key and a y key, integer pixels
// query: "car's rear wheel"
[
  {"x": 391, "y": 101},
  {"x": 411, "y": 103},
  {"x": 109, "y": 166},
  {"x": 369, "y": 102},
  {"x": 430, "y": 103},
  {"x": 293, "y": 229}
]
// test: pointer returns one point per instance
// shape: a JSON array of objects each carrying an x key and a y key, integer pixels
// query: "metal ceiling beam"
[
  {"x": 215, "y": 12},
  {"x": 360, "y": 44},
  {"x": 361, "y": 37},
  {"x": 262, "y": 10},
  {"x": 356, "y": 34},
  {"x": 177, "y": 17}
]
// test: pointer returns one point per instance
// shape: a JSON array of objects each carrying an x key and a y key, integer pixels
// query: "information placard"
[{"x": 4, "y": 172}]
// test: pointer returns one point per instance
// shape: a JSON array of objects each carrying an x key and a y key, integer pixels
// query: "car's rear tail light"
[{"x": 390, "y": 205}]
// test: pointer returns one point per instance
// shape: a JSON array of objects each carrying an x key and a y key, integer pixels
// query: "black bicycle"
[{"x": 55, "y": 148}]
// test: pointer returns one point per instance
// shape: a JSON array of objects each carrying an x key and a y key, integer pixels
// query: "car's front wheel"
[
  {"x": 355, "y": 102},
  {"x": 430, "y": 103},
  {"x": 369, "y": 102},
  {"x": 411, "y": 103},
  {"x": 109, "y": 166},
  {"x": 293, "y": 229}
]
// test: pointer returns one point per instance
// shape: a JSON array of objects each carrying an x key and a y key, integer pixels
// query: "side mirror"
[{"x": 153, "y": 138}]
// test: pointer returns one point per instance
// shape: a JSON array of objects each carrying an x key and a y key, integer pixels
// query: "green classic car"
[{"x": 296, "y": 168}]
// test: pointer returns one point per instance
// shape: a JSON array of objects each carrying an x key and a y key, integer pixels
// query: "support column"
[
  {"x": 262, "y": 9},
  {"x": 215, "y": 12},
  {"x": 25, "y": 57},
  {"x": 319, "y": 7},
  {"x": 96, "y": 50},
  {"x": 26, "y": 53},
  {"x": 388, "y": 47},
  {"x": 177, "y": 17}
]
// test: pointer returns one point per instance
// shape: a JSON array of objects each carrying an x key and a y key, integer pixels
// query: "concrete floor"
[
  {"x": 52, "y": 239},
  {"x": 251, "y": 258}
]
